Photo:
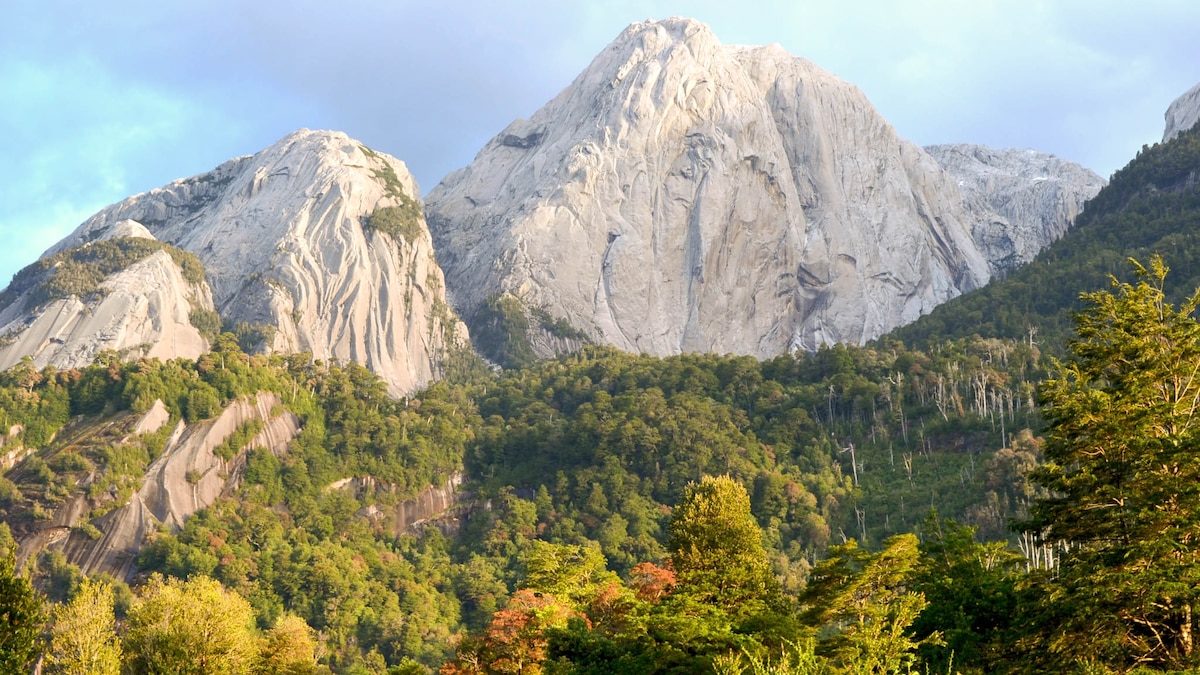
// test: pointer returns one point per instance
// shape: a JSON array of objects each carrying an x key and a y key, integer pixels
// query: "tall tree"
[
  {"x": 717, "y": 550},
  {"x": 20, "y": 617},
  {"x": 1123, "y": 467},
  {"x": 861, "y": 601},
  {"x": 83, "y": 639},
  {"x": 191, "y": 627}
]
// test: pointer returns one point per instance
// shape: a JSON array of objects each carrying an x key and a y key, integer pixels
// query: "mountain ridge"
[
  {"x": 683, "y": 195},
  {"x": 287, "y": 241}
]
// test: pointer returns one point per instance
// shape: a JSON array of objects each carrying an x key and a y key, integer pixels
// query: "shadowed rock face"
[
  {"x": 1182, "y": 114},
  {"x": 1034, "y": 197},
  {"x": 285, "y": 242},
  {"x": 682, "y": 195}
]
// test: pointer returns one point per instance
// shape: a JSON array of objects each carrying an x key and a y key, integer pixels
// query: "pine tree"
[{"x": 1123, "y": 467}]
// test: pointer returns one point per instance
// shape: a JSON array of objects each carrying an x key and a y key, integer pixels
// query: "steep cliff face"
[
  {"x": 187, "y": 477},
  {"x": 681, "y": 195},
  {"x": 1183, "y": 113},
  {"x": 1033, "y": 198},
  {"x": 321, "y": 243},
  {"x": 143, "y": 309}
]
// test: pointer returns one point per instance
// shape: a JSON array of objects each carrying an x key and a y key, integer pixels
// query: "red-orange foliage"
[
  {"x": 652, "y": 582},
  {"x": 514, "y": 643}
]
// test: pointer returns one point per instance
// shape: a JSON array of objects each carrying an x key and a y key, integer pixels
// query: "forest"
[
  {"x": 1008, "y": 485},
  {"x": 976, "y": 507}
]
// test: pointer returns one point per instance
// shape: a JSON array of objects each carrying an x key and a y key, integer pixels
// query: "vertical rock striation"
[
  {"x": 682, "y": 195},
  {"x": 291, "y": 247}
]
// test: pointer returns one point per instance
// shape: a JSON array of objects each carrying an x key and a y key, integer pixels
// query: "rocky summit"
[
  {"x": 680, "y": 195},
  {"x": 1182, "y": 114},
  {"x": 65, "y": 312},
  {"x": 1032, "y": 198},
  {"x": 315, "y": 244},
  {"x": 683, "y": 195}
]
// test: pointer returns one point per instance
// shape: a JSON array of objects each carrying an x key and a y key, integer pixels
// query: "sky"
[{"x": 103, "y": 100}]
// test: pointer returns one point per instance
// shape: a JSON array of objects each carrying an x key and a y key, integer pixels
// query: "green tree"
[
  {"x": 83, "y": 639},
  {"x": 1123, "y": 465},
  {"x": 191, "y": 627},
  {"x": 20, "y": 617},
  {"x": 717, "y": 550},
  {"x": 863, "y": 601},
  {"x": 289, "y": 648},
  {"x": 974, "y": 599}
]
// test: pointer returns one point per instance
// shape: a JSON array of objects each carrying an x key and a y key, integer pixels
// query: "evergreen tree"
[
  {"x": 862, "y": 602},
  {"x": 20, "y": 617},
  {"x": 1123, "y": 467}
]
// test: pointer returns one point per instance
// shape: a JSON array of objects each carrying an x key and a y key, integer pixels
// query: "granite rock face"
[
  {"x": 142, "y": 310},
  {"x": 288, "y": 243},
  {"x": 682, "y": 195},
  {"x": 1025, "y": 200},
  {"x": 1182, "y": 114}
]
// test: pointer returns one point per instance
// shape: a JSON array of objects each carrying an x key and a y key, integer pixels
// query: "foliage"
[
  {"x": 1150, "y": 207},
  {"x": 187, "y": 627},
  {"x": 83, "y": 638},
  {"x": 1122, "y": 469},
  {"x": 80, "y": 270},
  {"x": 556, "y": 326},
  {"x": 20, "y": 617},
  {"x": 207, "y": 322},
  {"x": 717, "y": 551},
  {"x": 864, "y": 601},
  {"x": 289, "y": 648},
  {"x": 975, "y": 600},
  {"x": 401, "y": 222},
  {"x": 500, "y": 331}
]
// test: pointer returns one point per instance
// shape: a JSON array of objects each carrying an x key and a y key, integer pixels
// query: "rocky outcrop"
[
  {"x": 682, "y": 195},
  {"x": 1033, "y": 198},
  {"x": 436, "y": 505},
  {"x": 142, "y": 310},
  {"x": 1182, "y": 114},
  {"x": 290, "y": 245},
  {"x": 187, "y": 477}
]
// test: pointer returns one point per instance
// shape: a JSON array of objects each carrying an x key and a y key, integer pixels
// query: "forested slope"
[
  {"x": 1151, "y": 206},
  {"x": 592, "y": 449}
]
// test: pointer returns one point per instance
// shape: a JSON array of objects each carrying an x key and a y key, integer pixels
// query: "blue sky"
[{"x": 102, "y": 100}]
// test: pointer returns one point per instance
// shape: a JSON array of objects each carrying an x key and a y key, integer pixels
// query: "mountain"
[
  {"x": 315, "y": 244},
  {"x": 122, "y": 290},
  {"x": 1036, "y": 196},
  {"x": 1182, "y": 114},
  {"x": 683, "y": 195},
  {"x": 1149, "y": 207}
]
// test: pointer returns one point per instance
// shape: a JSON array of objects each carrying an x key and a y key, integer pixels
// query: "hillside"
[
  {"x": 1151, "y": 206},
  {"x": 595, "y": 447}
]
